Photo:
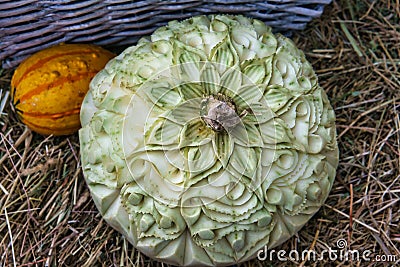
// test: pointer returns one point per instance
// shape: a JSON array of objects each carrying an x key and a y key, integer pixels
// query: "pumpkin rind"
[
  {"x": 208, "y": 141},
  {"x": 48, "y": 87}
]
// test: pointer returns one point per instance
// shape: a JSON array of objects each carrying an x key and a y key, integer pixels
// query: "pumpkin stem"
[{"x": 219, "y": 113}]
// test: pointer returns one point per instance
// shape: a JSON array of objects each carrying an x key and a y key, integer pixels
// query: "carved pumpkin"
[{"x": 208, "y": 141}]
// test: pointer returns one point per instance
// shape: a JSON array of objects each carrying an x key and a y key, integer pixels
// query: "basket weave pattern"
[{"x": 27, "y": 26}]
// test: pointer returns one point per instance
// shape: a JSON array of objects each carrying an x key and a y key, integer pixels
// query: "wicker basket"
[{"x": 27, "y": 26}]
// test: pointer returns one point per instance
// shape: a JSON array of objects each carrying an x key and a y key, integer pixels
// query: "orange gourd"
[{"x": 48, "y": 88}]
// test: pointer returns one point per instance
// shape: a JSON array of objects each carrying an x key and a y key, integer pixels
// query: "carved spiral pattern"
[{"x": 183, "y": 193}]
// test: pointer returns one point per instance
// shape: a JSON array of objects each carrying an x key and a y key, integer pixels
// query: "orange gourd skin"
[{"x": 48, "y": 88}]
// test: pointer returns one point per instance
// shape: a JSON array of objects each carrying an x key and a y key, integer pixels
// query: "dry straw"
[{"x": 47, "y": 217}]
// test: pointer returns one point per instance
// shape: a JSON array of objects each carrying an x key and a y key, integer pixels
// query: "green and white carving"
[{"x": 208, "y": 140}]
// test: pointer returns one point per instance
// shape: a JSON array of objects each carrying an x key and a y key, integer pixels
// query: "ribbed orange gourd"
[{"x": 48, "y": 87}]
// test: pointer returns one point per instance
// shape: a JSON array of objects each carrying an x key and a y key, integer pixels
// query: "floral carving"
[{"x": 208, "y": 141}]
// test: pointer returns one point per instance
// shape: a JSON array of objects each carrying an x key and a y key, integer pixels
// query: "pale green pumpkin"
[{"x": 208, "y": 141}]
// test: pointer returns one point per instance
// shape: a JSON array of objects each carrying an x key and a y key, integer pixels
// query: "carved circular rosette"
[{"x": 208, "y": 141}]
